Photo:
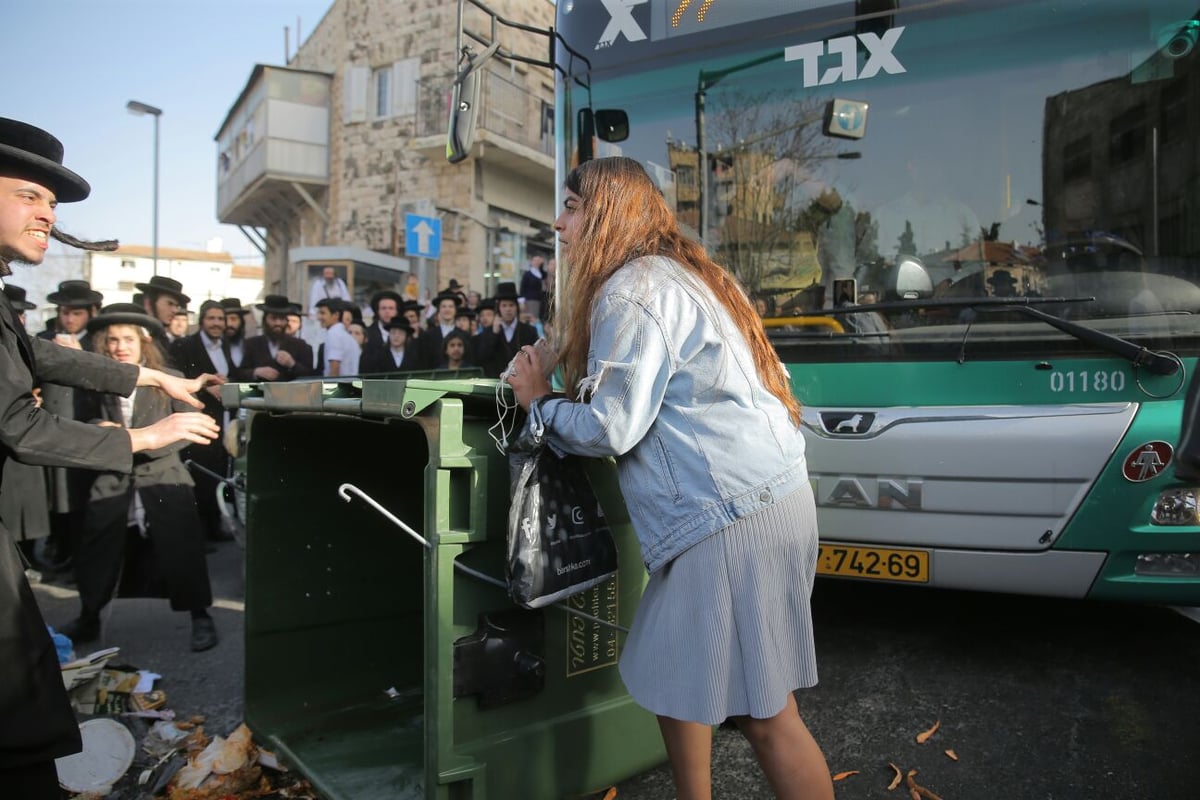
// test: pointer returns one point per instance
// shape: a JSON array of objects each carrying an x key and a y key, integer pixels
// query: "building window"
[
  {"x": 1173, "y": 103},
  {"x": 1127, "y": 136},
  {"x": 1077, "y": 159},
  {"x": 381, "y": 83},
  {"x": 127, "y": 263},
  {"x": 126, "y": 286}
]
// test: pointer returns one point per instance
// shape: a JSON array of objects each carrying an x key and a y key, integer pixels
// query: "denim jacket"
[{"x": 698, "y": 440}]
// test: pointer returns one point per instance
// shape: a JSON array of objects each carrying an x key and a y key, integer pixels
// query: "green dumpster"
[{"x": 377, "y": 667}]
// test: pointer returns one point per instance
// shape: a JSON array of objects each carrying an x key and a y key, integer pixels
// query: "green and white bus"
[{"x": 973, "y": 228}]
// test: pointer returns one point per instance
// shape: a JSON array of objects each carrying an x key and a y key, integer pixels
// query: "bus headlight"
[{"x": 1176, "y": 507}]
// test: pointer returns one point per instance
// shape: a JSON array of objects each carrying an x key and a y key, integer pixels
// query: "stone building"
[{"x": 323, "y": 160}]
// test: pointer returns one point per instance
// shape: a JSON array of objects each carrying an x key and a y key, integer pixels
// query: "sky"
[{"x": 75, "y": 65}]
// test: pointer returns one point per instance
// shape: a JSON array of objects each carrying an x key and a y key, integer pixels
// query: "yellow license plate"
[{"x": 876, "y": 563}]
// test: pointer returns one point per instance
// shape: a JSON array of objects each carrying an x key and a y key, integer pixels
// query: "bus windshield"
[{"x": 839, "y": 156}]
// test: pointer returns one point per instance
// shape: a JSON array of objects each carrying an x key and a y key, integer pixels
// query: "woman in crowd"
[
  {"x": 141, "y": 531},
  {"x": 456, "y": 351},
  {"x": 674, "y": 373}
]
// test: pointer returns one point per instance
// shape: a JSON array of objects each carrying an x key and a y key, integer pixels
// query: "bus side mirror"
[
  {"x": 605, "y": 124},
  {"x": 909, "y": 280},
  {"x": 464, "y": 103}
]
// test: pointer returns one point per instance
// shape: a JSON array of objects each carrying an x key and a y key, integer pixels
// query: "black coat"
[
  {"x": 256, "y": 352},
  {"x": 493, "y": 351},
  {"x": 68, "y": 487},
  {"x": 190, "y": 356},
  {"x": 36, "y": 720},
  {"x": 379, "y": 360},
  {"x": 176, "y": 567}
]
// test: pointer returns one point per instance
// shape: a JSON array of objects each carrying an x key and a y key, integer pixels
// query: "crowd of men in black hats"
[{"x": 458, "y": 330}]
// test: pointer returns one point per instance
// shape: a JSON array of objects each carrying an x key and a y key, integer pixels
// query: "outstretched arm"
[{"x": 178, "y": 388}]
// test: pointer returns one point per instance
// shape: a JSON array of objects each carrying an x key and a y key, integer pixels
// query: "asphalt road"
[{"x": 1040, "y": 699}]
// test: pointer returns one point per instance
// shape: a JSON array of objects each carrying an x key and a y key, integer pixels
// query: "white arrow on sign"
[{"x": 423, "y": 232}]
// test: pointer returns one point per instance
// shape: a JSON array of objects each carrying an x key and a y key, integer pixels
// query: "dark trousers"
[
  {"x": 163, "y": 565},
  {"x": 31, "y": 782},
  {"x": 213, "y": 458}
]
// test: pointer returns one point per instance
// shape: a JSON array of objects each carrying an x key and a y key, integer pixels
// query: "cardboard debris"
[{"x": 113, "y": 690}]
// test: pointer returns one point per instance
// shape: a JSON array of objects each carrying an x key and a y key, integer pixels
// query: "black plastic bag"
[{"x": 559, "y": 542}]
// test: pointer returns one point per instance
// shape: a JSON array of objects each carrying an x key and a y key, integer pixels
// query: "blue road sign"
[{"x": 423, "y": 236}]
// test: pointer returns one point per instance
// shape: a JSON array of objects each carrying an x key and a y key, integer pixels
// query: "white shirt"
[
  {"x": 321, "y": 290},
  {"x": 216, "y": 354},
  {"x": 341, "y": 347},
  {"x": 136, "y": 517}
]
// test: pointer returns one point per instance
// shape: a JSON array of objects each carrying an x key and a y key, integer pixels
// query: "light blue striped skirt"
[{"x": 725, "y": 629}]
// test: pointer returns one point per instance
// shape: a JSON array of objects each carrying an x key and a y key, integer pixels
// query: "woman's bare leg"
[
  {"x": 689, "y": 747},
  {"x": 788, "y": 754}
]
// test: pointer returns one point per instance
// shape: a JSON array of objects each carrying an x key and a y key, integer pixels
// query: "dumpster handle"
[{"x": 347, "y": 489}]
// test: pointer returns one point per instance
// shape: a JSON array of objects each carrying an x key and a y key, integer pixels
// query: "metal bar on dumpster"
[{"x": 347, "y": 489}]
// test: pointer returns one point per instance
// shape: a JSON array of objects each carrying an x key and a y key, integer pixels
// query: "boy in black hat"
[
  {"x": 399, "y": 355},
  {"x": 38, "y": 725},
  {"x": 162, "y": 298},
  {"x": 445, "y": 307}
]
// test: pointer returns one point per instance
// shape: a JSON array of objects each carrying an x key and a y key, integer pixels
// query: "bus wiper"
[{"x": 1157, "y": 363}]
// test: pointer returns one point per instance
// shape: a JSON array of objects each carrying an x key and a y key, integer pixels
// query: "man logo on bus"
[
  {"x": 621, "y": 21},
  {"x": 879, "y": 57},
  {"x": 1147, "y": 461}
]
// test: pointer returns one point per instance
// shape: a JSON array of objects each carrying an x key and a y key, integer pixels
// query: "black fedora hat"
[
  {"x": 412, "y": 305},
  {"x": 164, "y": 285},
  {"x": 447, "y": 295},
  {"x": 124, "y": 314},
  {"x": 234, "y": 306},
  {"x": 486, "y": 304},
  {"x": 31, "y": 153},
  {"x": 385, "y": 294},
  {"x": 399, "y": 321},
  {"x": 276, "y": 304},
  {"x": 16, "y": 296},
  {"x": 507, "y": 290},
  {"x": 75, "y": 294}
]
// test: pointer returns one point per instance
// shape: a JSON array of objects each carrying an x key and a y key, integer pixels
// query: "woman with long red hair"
[{"x": 671, "y": 373}]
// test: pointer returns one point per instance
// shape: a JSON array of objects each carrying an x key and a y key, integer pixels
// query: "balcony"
[
  {"x": 273, "y": 147},
  {"x": 514, "y": 126}
]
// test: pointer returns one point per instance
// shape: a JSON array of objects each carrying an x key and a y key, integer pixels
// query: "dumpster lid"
[{"x": 401, "y": 395}]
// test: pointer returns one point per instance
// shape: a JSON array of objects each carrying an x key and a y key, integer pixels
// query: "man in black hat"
[
  {"x": 76, "y": 304},
  {"x": 385, "y": 306},
  {"x": 274, "y": 355},
  {"x": 179, "y": 325},
  {"x": 162, "y": 298},
  {"x": 37, "y": 724},
  {"x": 498, "y": 345},
  {"x": 235, "y": 329}
]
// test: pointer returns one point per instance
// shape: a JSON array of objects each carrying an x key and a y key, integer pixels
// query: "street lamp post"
[{"x": 139, "y": 109}]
